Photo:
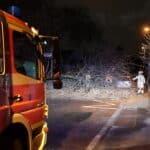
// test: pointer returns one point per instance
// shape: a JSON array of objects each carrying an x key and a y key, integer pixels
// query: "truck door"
[
  {"x": 4, "y": 81},
  {"x": 28, "y": 88}
]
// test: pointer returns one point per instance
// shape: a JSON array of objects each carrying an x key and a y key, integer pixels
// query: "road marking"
[
  {"x": 99, "y": 106},
  {"x": 108, "y": 103},
  {"x": 105, "y": 129}
]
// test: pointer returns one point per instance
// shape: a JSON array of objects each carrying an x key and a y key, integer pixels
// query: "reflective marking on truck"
[
  {"x": 24, "y": 106},
  {"x": 35, "y": 115},
  {"x": 4, "y": 116},
  {"x": 20, "y": 79}
]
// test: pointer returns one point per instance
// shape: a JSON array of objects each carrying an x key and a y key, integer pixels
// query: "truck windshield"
[{"x": 25, "y": 55}]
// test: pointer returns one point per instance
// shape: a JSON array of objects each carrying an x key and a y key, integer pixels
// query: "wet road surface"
[
  {"x": 97, "y": 125},
  {"x": 73, "y": 124}
]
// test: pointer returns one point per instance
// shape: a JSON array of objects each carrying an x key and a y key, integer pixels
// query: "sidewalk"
[{"x": 138, "y": 101}]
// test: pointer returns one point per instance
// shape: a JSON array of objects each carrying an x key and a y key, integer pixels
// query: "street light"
[
  {"x": 146, "y": 49},
  {"x": 146, "y": 30},
  {"x": 145, "y": 45}
]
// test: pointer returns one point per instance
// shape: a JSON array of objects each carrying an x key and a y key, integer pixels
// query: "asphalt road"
[
  {"x": 73, "y": 123},
  {"x": 129, "y": 132},
  {"x": 102, "y": 124}
]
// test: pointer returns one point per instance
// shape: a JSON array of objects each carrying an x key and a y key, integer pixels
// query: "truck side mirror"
[
  {"x": 57, "y": 83},
  {"x": 52, "y": 60}
]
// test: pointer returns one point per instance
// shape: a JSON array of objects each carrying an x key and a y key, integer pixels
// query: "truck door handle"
[{"x": 17, "y": 98}]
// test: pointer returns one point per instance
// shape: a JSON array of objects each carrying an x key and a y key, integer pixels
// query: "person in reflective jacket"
[{"x": 140, "y": 82}]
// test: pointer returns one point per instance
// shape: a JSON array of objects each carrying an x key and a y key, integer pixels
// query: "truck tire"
[
  {"x": 13, "y": 142},
  {"x": 17, "y": 144}
]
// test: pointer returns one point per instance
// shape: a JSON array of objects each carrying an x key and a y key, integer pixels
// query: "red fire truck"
[{"x": 23, "y": 108}]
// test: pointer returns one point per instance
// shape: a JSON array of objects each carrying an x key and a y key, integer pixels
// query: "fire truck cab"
[{"x": 23, "y": 108}]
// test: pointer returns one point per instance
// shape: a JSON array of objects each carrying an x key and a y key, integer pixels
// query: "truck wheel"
[
  {"x": 17, "y": 144},
  {"x": 11, "y": 143}
]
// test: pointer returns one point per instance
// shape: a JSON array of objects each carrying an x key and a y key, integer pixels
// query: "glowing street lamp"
[
  {"x": 145, "y": 50},
  {"x": 145, "y": 46},
  {"x": 146, "y": 29}
]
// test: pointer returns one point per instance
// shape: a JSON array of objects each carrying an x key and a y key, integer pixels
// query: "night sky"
[{"x": 120, "y": 21}]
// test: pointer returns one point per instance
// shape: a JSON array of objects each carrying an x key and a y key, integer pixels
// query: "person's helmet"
[{"x": 140, "y": 72}]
